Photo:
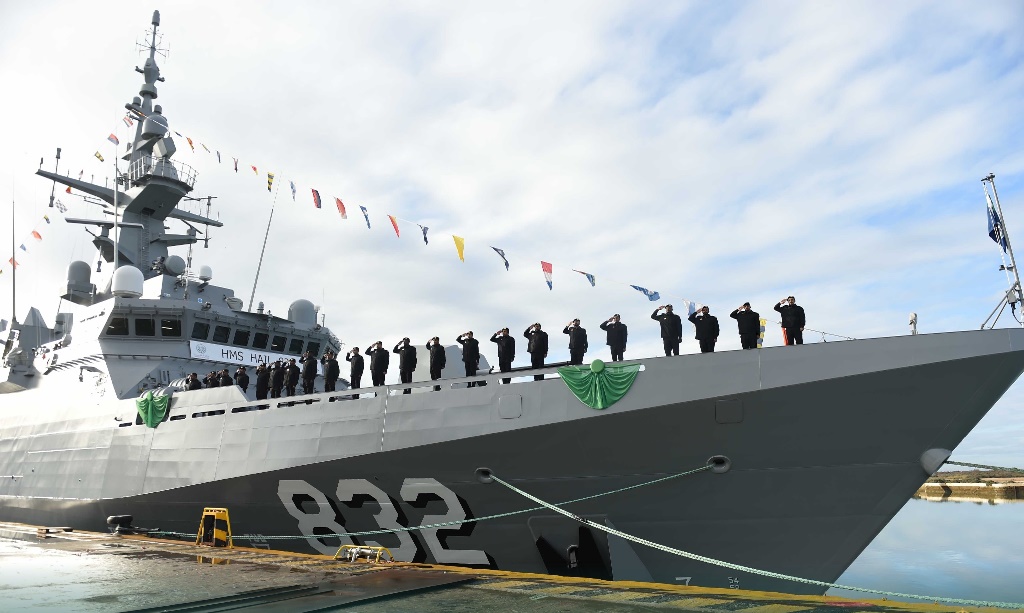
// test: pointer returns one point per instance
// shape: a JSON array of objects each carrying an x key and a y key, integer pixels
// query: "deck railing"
[{"x": 147, "y": 167}]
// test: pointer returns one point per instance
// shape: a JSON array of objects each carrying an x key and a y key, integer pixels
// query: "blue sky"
[{"x": 718, "y": 152}]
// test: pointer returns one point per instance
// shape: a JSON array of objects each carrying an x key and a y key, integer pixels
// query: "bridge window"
[
  {"x": 118, "y": 326},
  {"x": 278, "y": 344},
  {"x": 221, "y": 334},
  {"x": 241, "y": 338},
  {"x": 259, "y": 340},
  {"x": 295, "y": 346},
  {"x": 200, "y": 331},
  {"x": 170, "y": 327},
  {"x": 313, "y": 347},
  {"x": 145, "y": 327}
]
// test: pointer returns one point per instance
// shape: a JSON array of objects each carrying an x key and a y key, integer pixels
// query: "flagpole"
[
  {"x": 991, "y": 179},
  {"x": 14, "y": 266},
  {"x": 117, "y": 179},
  {"x": 266, "y": 235}
]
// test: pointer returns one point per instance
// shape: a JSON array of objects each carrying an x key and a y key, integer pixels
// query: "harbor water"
[{"x": 957, "y": 549}]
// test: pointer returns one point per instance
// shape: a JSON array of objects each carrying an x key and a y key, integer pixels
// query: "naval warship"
[{"x": 815, "y": 448}]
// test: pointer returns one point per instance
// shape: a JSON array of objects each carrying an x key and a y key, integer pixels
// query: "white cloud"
[{"x": 720, "y": 153}]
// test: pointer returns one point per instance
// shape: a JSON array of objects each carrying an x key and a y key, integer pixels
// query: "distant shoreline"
[
  {"x": 980, "y": 486},
  {"x": 975, "y": 476}
]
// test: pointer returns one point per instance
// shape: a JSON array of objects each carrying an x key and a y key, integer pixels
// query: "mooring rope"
[
  {"x": 740, "y": 567},
  {"x": 1007, "y": 469},
  {"x": 251, "y": 537}
]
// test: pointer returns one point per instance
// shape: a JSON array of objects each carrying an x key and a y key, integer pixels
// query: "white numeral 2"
[{"x": 412, "y": 490}]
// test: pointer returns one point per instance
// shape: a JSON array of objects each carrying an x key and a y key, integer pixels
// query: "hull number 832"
[{"x": 316, "y": 514}]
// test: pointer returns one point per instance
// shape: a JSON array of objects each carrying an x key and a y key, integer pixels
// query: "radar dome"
[
  {"x": 79, "y": 272},
  {"x": 302, "y": 312},
  {"x": 205, "y": 273},
  {"x": 174, "y": 265},
  {"x": 154, "y": 126},
  {"x": 127, "y": 282}
]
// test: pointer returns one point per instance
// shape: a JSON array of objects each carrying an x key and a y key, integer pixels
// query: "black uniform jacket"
[
  {"x": 438, "y": 359},
  {"x": 792, "y": 315},
  {"x": 242, "y": 379},
  {"x": 538, "y": 342},
  {"x": 577, "y": 337},
  {"x": 331, "y": 370},
  {"x": 406, "y": 357},
  {"x": 293, "y": 374},
  {"x": 470, "y": 349},
  {"x": 748, "y": 321},
  {"x": 379, "y": 359},
  {"x": 617, "y": 333},
  {"x": 278, "y": 376},
  {"x": 263, "y": 380},
  {"x": 196, "y": 384},
  {"x": 356, "y": 364},
  {"x": 671, "y": 325},
  {"x": 707, "y": 326},
  {"x": 506, "y": 347},
  {"x": 309, "y": 368}
]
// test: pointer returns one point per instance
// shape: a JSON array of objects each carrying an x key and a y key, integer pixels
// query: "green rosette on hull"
[
  {"x": 152, "y": 408},
  {"x": 599, "y": 386}
]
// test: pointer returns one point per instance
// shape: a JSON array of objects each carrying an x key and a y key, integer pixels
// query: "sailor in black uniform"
[
  {"x": 537, "y": 347},
  {"x": 470, "y": 354},
  {"x": 308, "y": 373},
  {"x": 291, "y": 379},
  {"x": 506, "y": 351},
  {"x": 577, "y": 341},
  {"x": 793, "y": 320},
  {"x": 438, "y": 360},
  {"x": 617, "y": 333},
  {"x": 671, "y": 329},
  {"x": 242, "y": 379},
  {"x": 262, "y": 381},
  {"x": 749, "y": 323},
  {"x": 277, "y": 379},
  {"x": 355, "y": 373},
  {"x": 379, "y": 358},
  {"x": 331, "y": 370},
  {"x": 406, "y": 362},
  {"x": 706, "y": 326}
]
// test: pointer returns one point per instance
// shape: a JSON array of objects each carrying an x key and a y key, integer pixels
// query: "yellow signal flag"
[
  {"x": 98, "y": 156},
  {"x": 270, "y": 181},
  {"x": 460, "y": 246}
]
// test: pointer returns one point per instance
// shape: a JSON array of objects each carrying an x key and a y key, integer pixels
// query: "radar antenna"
[
  {"x": 155, "y": 40},
  {"x": 209, "y": 203}
]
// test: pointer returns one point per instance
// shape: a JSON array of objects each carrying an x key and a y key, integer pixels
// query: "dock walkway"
[{"x": 88, "y": 571}]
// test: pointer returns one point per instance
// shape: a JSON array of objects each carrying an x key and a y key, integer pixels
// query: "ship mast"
[{"x": 998, "y": 232}]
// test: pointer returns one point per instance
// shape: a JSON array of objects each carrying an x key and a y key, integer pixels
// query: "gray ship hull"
[{"x": 825, "y": 441}]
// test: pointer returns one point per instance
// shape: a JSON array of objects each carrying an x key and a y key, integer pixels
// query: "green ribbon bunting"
[
  {"x": 598, "y": 386},
  {"x": 152, "y": 409}
]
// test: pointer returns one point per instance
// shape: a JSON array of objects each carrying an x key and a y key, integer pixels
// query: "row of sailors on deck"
[
  {"x": 282, "y": 377},
  {"x": 705, "y": 324}
]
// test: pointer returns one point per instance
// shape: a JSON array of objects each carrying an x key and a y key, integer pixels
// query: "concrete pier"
[{"x": 86, "y": 571}]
